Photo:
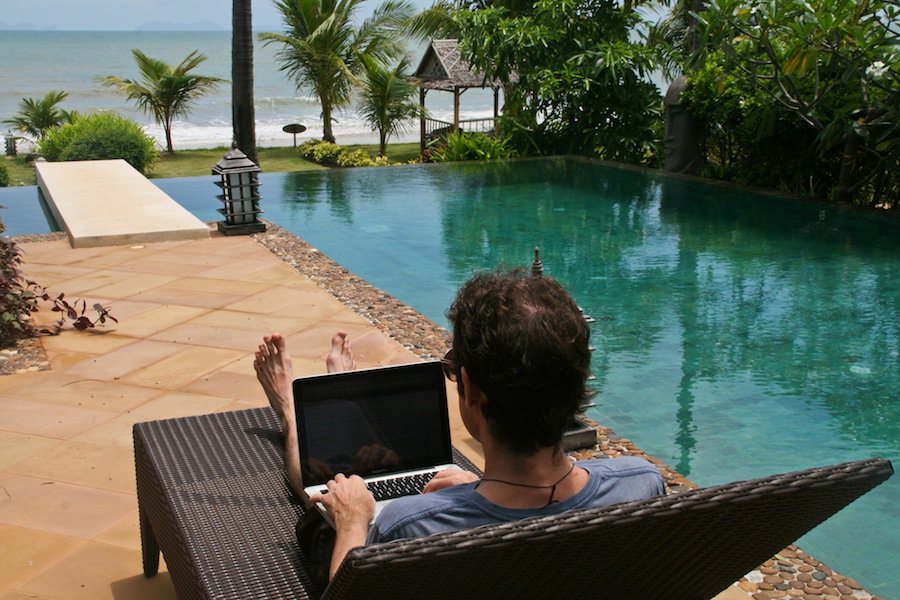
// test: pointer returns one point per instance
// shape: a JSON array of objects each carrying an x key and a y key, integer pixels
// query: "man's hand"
[
  {"x": 449, "y": 478},
  {"x": 350, "y": 504},
  {"x": 352, "y": 507}
]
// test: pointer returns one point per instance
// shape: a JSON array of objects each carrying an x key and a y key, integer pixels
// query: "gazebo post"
[
  {"x": 455, "y": 108},
  {"x": 496, "y": 106},
  {"x": 422, "y": 121}
]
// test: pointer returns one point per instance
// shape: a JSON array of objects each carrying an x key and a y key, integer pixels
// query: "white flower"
[{"x": 876, "y": 70}]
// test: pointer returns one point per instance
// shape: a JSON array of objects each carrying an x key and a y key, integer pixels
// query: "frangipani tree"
[{"x": 164, "y": 91}]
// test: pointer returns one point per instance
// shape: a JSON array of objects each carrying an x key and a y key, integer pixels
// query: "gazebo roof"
[{"x": 442, "y": 68}]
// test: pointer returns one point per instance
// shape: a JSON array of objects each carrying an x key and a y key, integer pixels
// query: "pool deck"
[
  {"x": 191, "y": 314},
  {"x": 108, "y": 202}
]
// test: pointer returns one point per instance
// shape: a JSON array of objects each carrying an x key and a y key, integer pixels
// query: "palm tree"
[
  {"x": 164, "y": 91},
  {"x": 37, "y": 117},
  {"x": 242, "y": 108},
  {"x": 386, "y": 102},
  {"x": 322, "y": 47}
]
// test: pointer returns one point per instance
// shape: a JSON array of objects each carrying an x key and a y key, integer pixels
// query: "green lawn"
[{"x": 190, "y": 163}]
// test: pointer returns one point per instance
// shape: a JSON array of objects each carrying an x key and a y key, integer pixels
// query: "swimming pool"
[{"x": 738, "y": 335}]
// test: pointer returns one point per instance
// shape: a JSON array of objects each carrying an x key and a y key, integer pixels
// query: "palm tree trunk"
[
  {"x": 167, "y": 128},
  {"x": 242, "y": 108},
  {"x": 327, "y": 133}
]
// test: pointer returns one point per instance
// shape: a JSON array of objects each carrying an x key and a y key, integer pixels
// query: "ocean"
[{"x": 35, "y": 62}]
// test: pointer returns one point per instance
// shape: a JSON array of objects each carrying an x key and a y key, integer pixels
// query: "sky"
[{"x": 130, "y": 15}]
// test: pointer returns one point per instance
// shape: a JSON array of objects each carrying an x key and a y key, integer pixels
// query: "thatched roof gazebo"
[{"x": 442, "y": 68}]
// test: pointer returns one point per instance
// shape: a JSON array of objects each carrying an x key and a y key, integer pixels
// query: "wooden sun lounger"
[{"x": 213, "y": 498}]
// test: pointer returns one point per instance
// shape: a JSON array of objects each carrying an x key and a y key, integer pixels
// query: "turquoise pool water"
[{"x": 737, "y": 335}]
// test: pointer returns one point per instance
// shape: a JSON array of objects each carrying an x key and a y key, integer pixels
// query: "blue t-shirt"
[{"x": 460, "y": 507}]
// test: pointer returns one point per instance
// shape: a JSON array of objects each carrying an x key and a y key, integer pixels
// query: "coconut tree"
[
  {"x": 242, "y": 108},
  {"x": 164, "y": 91},
  {"x": 36, "y": 117},
  {"x": 386, "y": 102},
  {"x": 322, "y": 47}
]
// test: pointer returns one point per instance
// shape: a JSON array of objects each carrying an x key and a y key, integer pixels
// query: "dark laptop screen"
[{"x": 372, "y": 421}]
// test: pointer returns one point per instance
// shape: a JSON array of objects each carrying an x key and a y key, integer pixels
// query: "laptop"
[{"x": 389, "y": 425}]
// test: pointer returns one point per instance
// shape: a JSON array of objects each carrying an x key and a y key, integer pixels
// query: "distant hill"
[{"x": 168, "y": 26}]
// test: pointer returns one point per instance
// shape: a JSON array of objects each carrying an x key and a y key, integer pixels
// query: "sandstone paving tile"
[
  {"x": 66, "y": 389},
  {"x": 64, "y": 360},
  {"x": 86, "y": 342},
  {"x": 90, "y": 465},
  {"x": 223, "y": 286},
  {"x": 135, "y": 356},
  {"x": 186, "y": 364},
  {"x": 126, "y": 533},
  {"x": 16, "y": 447},
  {"x": 277, "y": 298},
  {"x": 162, "y": 265},
  {"x": 224, "y": 384},
  {"x": 166, "y": 294},
  {"x": 59, "y": 507},
  {"x": 315, "y": 341},
  {"x": 97, "y": 571},
  {"x": 15, "y": 381},
  {"x": 205, "y": 335},
  {"x": 129, "y": 284},
  {"x": 52, "y": 251},
  {"x": 245, "y": 268},
  {"x": 16, "y": 595},
  {"x": 173, "y": 405},
  {"x": 48, "y": 420},
  {"x": 327, "y": 311},
  {"x": 26, "y": 552},
  {"x": 259, "y": 323},
  {"x": 52, "y": 276},
  {"x": 90, "y": 281},
  {"x": 158, "y": 318},
  {"x": 376, "y": 348}
]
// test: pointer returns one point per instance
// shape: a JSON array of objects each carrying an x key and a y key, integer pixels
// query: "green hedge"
[
  {"x": 101, "y": 136},
  {"x": 4, "y": 175}
]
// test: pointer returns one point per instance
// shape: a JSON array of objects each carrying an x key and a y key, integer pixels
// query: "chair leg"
[{"x": 149, "y": 546}]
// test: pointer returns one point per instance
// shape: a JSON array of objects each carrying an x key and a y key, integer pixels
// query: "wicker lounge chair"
[{"x": 213, "y": 498}]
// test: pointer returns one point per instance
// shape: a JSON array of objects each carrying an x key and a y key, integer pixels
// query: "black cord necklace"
[{"x": 552, "y": 487}]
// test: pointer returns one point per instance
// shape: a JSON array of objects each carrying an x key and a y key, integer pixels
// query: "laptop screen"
[{"x": 372, "y": 421}]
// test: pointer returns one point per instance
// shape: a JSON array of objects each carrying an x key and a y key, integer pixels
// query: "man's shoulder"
[{"x": 622, "y": 465}]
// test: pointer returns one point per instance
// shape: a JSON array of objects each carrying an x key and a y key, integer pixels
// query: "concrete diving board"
[{"x": 109, "y": 203}]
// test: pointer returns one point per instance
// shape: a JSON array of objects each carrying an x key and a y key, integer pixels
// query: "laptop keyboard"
[{"x": 409, "y": 485}]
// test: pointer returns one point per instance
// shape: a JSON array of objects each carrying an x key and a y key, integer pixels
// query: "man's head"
[{"x": 525, "y": 344}]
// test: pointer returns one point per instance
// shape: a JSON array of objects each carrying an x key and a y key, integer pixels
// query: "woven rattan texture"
[
  {"x": 688, "y": 545},
  {"x": 213, "y": 495}
]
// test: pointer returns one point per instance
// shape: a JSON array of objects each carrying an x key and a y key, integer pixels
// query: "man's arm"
[{"x": 352, "y": 507}]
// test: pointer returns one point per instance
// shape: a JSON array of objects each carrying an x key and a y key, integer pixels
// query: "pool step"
[{"x": 109, "y": 203}]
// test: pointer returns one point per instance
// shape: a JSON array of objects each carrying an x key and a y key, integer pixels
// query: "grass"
[{"x": 192, "y": 163}]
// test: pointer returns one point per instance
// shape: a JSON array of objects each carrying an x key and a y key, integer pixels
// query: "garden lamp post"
[{"x": 239, "y": 180}]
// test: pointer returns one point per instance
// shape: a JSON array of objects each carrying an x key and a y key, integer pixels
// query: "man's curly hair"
[{"x": 525, "y": 343}]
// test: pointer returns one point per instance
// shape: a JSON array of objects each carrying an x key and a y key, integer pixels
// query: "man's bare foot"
[
  {"x": 340, "y": 357},
  {"x": 275, "y": 373}
]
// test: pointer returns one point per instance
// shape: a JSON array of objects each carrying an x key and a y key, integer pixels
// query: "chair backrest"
[{"x": 687, "y": 545}]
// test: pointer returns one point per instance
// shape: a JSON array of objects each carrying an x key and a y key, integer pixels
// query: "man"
[{"x": 520, "y": 359}]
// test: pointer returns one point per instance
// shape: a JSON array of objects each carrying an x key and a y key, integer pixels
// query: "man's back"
[{"x": 610, "y": 481}]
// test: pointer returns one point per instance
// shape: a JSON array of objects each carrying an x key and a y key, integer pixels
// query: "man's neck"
[{"x": 531, "y": 481}]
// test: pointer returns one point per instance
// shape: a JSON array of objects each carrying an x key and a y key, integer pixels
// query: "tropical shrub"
[
  {"x": 4, "y": 175},
  {"x": 333, "y": 155},
  {"x": 20, "y": 298},
  {"x": 354, "y": 158},
  {"x": 832, "y": 67},
  {"x": 101, "y": 136},
  {"x": 575, "y": 78},
  {"x": 460, "y": 145},
  {"x": 748, "y": 139}
]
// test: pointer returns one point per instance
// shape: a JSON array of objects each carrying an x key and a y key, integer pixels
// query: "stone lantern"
[{"x": 239, "y": 180}]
